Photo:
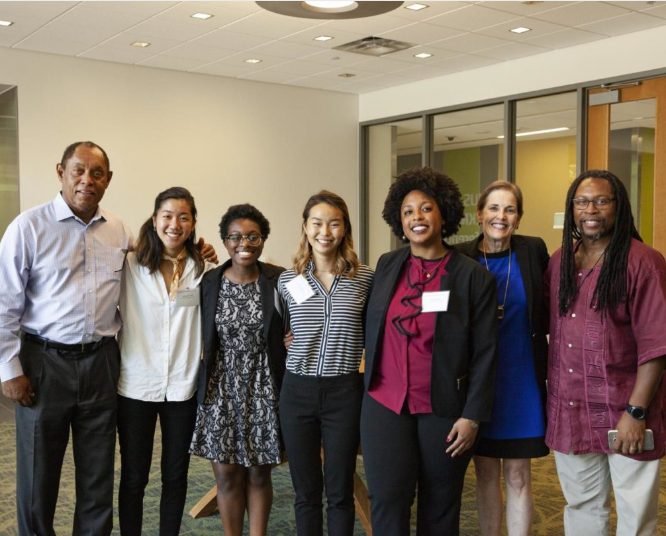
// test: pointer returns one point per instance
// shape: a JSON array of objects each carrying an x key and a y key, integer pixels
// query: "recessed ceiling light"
[
  {"x": 6, "y": 23},
  {"x": 521, "y": 29},
  {"x": 346, "y": 75},
  {"x": 416, "y": 7},
  {"x": 252, "y": 60},
  {"x": 535, "y": 132},
  {"x": 323, "y": 38},
  {"x": 140, "y": 44},
  {"x": 422, "y": 55},
  {"x": 202, "y": 16}
]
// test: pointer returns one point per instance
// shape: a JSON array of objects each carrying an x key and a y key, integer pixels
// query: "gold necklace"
[
  {"x": 432, "y": 271},
  {"x": 500, "y": 308}
]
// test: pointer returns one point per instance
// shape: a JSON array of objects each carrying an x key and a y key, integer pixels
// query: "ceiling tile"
[
  {"x": 286, "y": 49},
  {"x": 119, "y": 55},
  {"x": 633, "y": 22},
  {"x": 359, "y": 74},
  {"x": 340, "y": 37},
  {"x": 169, "y": 62},
  {"x": 240, "y": 57},
  {"x": 581, "y": 13},
  {"x": 512, "y": 51},
  {"x": 472, "y": 18},
  {"x": 99, "y": 17},
  {"x": 183, "y": 11},
  {"x": 124, "y": 41},
  {"x": 469, "y": 42},
  {"x": 367, "y": 26},
  {"x": 267, "y": 24},
  {"x": 63, "y": 31},
  {"x": 229, "y": 40},
  {"x": 357, "y": 87},
  {"x": 421, "y": 33},
  {"x": 424, "y": 71},
  {"x": 52, "y": 45},
  {"x": 408, "y": 55},
  {"x": 248, "y": 7},
  {"x": 270, "y": 76},
  {"x": 21, "y": 29},
  {"x": 206, "y": 54},
  {"x": 146, "y": 9},
  {"x": 659, "y": 11},
  {"x": 34, "y": 10},
  {"x": 382, "y": 65},
  {"x": 465, "y": 62},
  {"x": 537, "y": 27},
  {"x": 637, "y": 6},
  {"x": 168, "y": 29},
  {"x": 523, "y": 8},
  {"x": 337, "y": 58},
  {"x": 313, "y": 82},
  {"x": 304, "y": 68},
  {"x": 221, "y": 69},
  {"x": 389, "y": 80},
  {"x": 434, "y": 8},
  {"x": 565, "y": 38}
]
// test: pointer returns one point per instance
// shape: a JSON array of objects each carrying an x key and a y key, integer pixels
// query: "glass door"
[{"x": 626, "y": 134}]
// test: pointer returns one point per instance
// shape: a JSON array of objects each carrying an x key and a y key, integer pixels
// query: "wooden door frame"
[{"x": 598, "y": 142}]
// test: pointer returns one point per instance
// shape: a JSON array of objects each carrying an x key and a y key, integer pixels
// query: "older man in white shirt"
[{"x": 61, "y": 266}]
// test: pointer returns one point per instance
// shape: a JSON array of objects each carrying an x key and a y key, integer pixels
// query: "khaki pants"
[{"x": 586, "y": 481}]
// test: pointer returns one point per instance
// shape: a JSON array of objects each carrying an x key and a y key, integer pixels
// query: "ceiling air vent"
[{"x": 374, "y": 46}]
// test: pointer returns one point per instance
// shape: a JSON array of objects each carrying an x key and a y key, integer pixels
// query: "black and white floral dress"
[{"x": 238, "y": 422}]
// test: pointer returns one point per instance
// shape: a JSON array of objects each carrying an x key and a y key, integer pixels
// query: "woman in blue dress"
[{"x": 516, "y": 432}]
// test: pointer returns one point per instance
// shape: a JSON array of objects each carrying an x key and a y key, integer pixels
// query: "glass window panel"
[
  {"x": 9, "y": 174},
  {"x": 468, "y": 147},
  {"x": 545, "y": 162},
  {"x": 392, "y": 148},
  {"x": 631, "y": 158}
]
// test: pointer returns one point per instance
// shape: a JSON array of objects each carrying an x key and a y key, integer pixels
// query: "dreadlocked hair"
[{"x": 611, "y": 287}]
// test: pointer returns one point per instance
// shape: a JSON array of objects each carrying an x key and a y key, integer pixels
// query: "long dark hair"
[
  {"x": 611, "y": 287},
  {"x": 149, "y": 247}
]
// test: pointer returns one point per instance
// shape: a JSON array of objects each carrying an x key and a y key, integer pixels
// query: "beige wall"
[
  {"x": 228, "y": 141},
  {"x": 544, "y": 171}
]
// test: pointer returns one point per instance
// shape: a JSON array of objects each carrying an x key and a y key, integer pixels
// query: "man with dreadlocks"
[{"x": 607, "y": 294}]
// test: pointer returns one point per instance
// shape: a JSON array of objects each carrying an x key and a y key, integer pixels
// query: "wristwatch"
[{"x": 637, "y": 412}]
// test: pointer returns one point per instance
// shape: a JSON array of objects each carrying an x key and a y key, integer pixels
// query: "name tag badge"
[
  {"x": 433, "y": 302},
  {"x": 300, "y": 289},
  {"x": 188, "y": 297}
]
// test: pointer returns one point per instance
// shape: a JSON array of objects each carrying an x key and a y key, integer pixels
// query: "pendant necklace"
[
  {"x": 500, "y": 308},
  {"x": 590, "y": 270},
  {"x": 432, "y": 271}
]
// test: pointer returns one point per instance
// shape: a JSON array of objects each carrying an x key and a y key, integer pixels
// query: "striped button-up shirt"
[
  {"x": 328, "y": 326},
  {"x": 60, "y": 278}
]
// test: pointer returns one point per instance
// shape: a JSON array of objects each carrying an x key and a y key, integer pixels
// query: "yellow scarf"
[{"x": 177, "y": 272}]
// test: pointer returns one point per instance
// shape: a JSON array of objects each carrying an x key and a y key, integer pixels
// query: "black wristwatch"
[{"x": 637, "y": 412}]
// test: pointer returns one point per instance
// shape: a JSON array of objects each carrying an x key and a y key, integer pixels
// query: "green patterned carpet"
[{"x": 548, "y": 498}]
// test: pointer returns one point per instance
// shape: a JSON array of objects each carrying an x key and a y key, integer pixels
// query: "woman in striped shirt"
[{"x": 325, "y": 296}]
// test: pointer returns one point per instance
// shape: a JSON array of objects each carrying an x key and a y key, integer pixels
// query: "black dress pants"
[
  {"x": 401, "y": 451},
  {"x": 77, "y": 391},
  {"x": 314, "y": 410},
  {"x": 137, "y": 421}
]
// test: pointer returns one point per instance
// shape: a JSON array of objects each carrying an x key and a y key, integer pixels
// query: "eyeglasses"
[
  {"x": 252, "y": 240},
  {"x": 599, "y": 202}
]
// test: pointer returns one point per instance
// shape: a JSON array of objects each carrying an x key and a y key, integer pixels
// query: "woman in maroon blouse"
[{"x": 431, "y": 343}]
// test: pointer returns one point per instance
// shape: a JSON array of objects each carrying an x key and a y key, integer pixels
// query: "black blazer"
[
  {"x": 273, "y": 323},
  {"x": 465, "y": 344},
  {"x": 532, "y": 256}
]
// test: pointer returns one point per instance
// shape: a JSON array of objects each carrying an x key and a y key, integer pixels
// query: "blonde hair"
[{"x": 346, "y": 259}]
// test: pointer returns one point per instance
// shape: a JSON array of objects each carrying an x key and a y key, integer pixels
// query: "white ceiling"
[{"x": 459, "y": 35}]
